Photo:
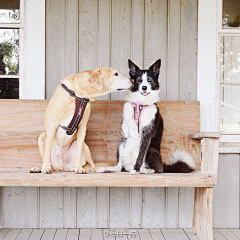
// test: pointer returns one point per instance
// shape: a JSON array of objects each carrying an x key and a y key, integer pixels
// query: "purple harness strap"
[{"x": 137, "y": 112}]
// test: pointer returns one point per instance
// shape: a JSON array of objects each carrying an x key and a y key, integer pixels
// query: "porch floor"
[{"x": 104, "y": 234}]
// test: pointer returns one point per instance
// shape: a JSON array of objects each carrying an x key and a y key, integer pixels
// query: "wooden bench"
[{"x": 21, "y": 122}]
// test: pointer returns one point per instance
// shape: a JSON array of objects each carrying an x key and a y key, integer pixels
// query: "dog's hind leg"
[{"x": 153, "y": 160}]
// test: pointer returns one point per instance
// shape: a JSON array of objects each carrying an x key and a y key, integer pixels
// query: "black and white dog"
[{"x": 142, "y": 128}]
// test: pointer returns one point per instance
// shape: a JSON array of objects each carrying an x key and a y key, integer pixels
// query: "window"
[
  {"x": 10, "y": 24},
  {"x": 229, "y": 68}
]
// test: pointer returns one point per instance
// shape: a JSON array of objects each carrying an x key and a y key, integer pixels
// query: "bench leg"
[{"x": 202, "y": 215}]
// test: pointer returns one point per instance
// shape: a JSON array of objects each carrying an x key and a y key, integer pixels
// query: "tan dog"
[{"x": 62, "y": 152}]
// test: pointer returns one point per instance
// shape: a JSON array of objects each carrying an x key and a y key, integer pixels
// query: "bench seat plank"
[{"x": 21, "y": 177}]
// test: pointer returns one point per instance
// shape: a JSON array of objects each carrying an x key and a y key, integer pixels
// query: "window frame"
[{"x": 31, "y": 44}]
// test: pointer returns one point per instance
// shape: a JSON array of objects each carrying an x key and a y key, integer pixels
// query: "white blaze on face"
[{"x": 144, "y": 87}]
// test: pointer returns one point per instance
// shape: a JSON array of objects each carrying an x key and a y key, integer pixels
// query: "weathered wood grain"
[{"x": 21, "y": 122}]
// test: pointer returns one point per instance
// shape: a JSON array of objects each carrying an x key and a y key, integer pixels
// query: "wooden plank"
[
  {"x": 71, "y": 38},
  {"x": 119, "y": 207},
  {"x": 173, "y": 63},
  {"x": 48, "y": 234},
  {"x": 70, "y": 207},
  {"x": 103, "y": 207},
  {"x": 19, "y": 148},
  {"x": 97, "y": 234},
  {"x": 188, "y": 50},
  {"x": 180, "y": 234},
  {"x": 136, "y": 204},
  {"x": 13, "y": 206},
  {"x": 55, "y": 19},
  {"x": 144, "y": 234},
  {"x": 68, "y": 179},
  {"x": 73, "y": 234},
  {"x": 235, "y": 232},
  {"x": 61, "y": 234},
  {"x": 88, "y": 34},
  {"x": 32, "y": 207},
  {"x": 36, "y": 234},
  {"x": 87, "y": 207},
  {"x": 155, "y": 39},
  {"x": 228, "y": 234},
  {"x": 185, "y": 212},
  {"x": 168, "y": 234},
  {"x": 172, "y": 207},
  {"x": 156, "y": 234},
  {"x": 225, "y": 208},
  {"x": 202, "y": 135},
  {"x": 51, "y": 208},
  {"x": 154, "y": 211},
  {"x": 3, "y": 232},
  {"x": 190, "y": 234},
  {"x": 104, "y": 34},
  {"x": 218, "y": 235},
  {"x": 121, "y": 40},
  {"x": 12, "y": 234},
  {"x": 85, "y": 234}
]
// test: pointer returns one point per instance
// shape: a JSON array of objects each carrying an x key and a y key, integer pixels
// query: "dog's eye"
[
  {"x": 149, "y": 80},
  {"x": 116, "y": 74}
]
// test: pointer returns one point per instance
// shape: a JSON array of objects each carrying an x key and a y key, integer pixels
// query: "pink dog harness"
[{"x": 137, "y": 112}]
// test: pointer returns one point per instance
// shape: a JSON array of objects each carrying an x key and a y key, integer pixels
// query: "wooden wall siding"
[{"x": 85, "y": 34}]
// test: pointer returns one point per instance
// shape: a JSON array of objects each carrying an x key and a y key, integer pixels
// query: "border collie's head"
[{"x": 144, "y": 81}]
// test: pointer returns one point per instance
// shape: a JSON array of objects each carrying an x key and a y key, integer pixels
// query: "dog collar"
[
  {"x": 137, "y": 112},
  {"x": 80, "y": 105}
]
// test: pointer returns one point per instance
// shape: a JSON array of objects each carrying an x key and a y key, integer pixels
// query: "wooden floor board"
[
  {"x": 190, "y": 234},
  {"x": 61, "y": 234},
  {"x": 228, "y": 234},
  {"x": 12, "y": 234},
  {"x": 36, "y": 234},
  {"x": 236, "y": 232},
  {"x": 24, "y": 234},
  {"x": 3, "y": 232},
  {"x": 105, "y": 234},
  {"x": 49, "y": 234},
  {"x": 73, "y": 234},
  {"x": 156, "y": 234}
]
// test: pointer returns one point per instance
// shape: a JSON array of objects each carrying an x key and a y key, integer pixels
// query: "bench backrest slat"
[{"x": 21, "y": 122}]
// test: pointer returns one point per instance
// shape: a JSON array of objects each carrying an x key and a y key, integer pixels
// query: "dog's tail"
[{"x": 181, "y": 162}]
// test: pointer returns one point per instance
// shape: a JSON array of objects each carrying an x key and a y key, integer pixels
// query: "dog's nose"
[{"x": 144, "y": 88}]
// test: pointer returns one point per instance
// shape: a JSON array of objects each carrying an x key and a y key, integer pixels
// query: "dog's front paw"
[
  {"x": 79, "y": 170},
  {"x": 35, "y": 170},
  {"x": 99, "y": 170},
  {"x": 46, "y": 169},
  {"x": 134, "y": 172},
  {"x": 134, "y": 134}
]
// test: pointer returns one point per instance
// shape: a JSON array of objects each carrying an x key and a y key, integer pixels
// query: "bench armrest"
[
  {"x": 210, "y": 151},
  {"x": 202, "y": 135}
]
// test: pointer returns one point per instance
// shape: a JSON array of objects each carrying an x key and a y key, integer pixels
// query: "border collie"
[{"x": 142, "y": 128}]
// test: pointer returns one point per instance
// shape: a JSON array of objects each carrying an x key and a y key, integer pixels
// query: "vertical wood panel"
[
  {"x": 13, "y": 207},
  {"x": 51, "y": 207},
  {"x": 88, "y": 34},
  {"x": 226, "y": 193},
  {"x": 119, "y": 208},
  {"x": 103, "y": 207},
  {"x": 155, "y": 43},
  {"x": 87, "y": 208},
  {"x": 171, "y": 207},
  {"x": 32, "y": 207},
  {"x": 188, "y": 56},
  {"x": 121, "y": 39},
  {"x": 185, "y": 212},
  {"x": 71, "y": 38},
  {"x": 173, "y": 50},
  {"x": 55, "y": 35},
  {"x": 154, "y": 210},
  {"x": 104, "y": 35},
  {"x": 70, "y": 208}
]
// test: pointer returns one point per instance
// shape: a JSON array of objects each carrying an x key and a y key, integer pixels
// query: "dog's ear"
[
  {"x": 156, "y": 67},
  {"x": 133, "y": 68},
  {"x": 96, "y": 79}
]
